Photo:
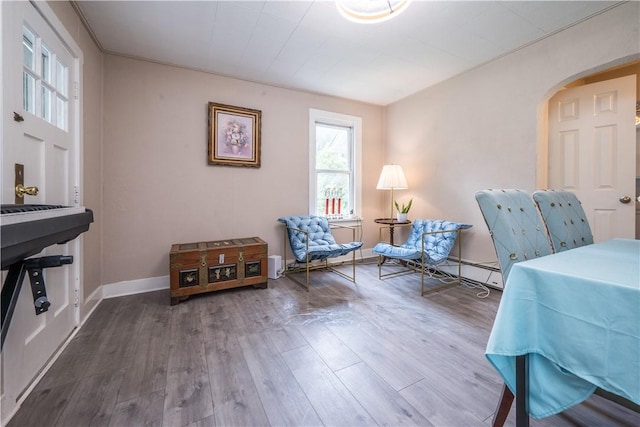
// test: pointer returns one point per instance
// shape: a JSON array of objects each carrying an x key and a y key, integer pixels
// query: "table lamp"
[{"x": 392, "y": 178}]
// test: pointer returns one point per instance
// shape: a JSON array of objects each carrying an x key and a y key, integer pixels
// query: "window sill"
[{"x": 343, "y": 218}]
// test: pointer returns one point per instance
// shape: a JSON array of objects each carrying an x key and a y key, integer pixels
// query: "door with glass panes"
[{"x": 40, "y": 132}]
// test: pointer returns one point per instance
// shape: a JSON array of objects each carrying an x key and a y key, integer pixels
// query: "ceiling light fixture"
[{"x": 371, "y": 11}]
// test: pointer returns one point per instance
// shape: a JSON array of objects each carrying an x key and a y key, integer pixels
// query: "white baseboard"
[{"x": 130, "y": 287}]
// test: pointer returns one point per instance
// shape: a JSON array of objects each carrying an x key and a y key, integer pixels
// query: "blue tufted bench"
[
  {"x": 310, "y": 239},
  {"x": 428, "y": 245}
]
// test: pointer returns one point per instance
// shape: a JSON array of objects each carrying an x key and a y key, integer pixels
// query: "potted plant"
[{"x": 401, "y": 216}]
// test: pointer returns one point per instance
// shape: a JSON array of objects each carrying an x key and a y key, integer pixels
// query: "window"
[
  {"x": 335, "y": 142},
  {"x": 44, "y": 81},
  {"x": 28, "y": 79}
]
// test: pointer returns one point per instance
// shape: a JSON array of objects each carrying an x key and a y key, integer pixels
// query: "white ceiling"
[{"x": 307, "y": 45}]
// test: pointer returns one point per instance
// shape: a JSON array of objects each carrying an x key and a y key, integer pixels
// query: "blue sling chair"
[
  {"x": 312, "y": 244},
  {"x": 427, "y": 247}
]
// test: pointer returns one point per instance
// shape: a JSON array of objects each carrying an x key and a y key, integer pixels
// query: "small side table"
[{"x": 391, "y": 222}]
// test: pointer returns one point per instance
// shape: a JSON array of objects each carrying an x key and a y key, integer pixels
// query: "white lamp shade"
[{"x": 392, "y": 177}]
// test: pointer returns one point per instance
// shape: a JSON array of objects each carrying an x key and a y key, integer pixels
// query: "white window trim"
[{"x": 339, "y": 119}]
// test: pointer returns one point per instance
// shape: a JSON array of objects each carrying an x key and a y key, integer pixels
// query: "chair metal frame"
[
  {"x": 422, "y": 266},
  {"x": 323, "y": 264}
]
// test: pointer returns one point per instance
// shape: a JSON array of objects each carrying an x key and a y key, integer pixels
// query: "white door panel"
[
  {"x": 592, "y": 152},
  {"x": 51, "y": 162},
  {"x": 57, "y": 175}
]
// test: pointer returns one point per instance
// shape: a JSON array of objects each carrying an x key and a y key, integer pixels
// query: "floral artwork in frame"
[{"x": 234, "y": 135}]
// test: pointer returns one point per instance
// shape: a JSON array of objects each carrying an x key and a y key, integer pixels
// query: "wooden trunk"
[{"x": 201, "y": 267}]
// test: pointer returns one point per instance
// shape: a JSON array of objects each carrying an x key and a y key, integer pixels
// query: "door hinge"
[
  {"x": 76, "y": 195},
  {"x": 76, "y": 298},
  {"x": 75, "y": 90}
]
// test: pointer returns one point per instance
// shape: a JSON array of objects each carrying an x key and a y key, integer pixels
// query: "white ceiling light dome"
[{"x": 371, "y": 11}]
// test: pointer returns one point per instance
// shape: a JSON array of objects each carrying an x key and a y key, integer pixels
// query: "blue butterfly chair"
[
  {"x": 428, "y": 246},
  {"x": 312, "y": 244},
  {"x": 564, "y": 219}
]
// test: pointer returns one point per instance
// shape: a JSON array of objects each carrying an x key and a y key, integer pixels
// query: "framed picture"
[{"x": 234, "y": 136}]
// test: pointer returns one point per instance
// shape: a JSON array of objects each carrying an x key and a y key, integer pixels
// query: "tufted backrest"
[
  {"x": 437, "y": 246},
  {"x": 514, "y": 225},
  {"x": 564, "y": 219},
  {"x": 316, "y": 226}
]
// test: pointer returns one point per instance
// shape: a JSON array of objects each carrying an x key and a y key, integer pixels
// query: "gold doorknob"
[
  {"x": 21, "y": 190},
  {"x": 625, "y": 199}
]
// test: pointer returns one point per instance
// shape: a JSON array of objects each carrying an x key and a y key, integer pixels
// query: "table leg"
[
  {"x": 391, "y": 234},
  {"x": 522, "y": 415}
]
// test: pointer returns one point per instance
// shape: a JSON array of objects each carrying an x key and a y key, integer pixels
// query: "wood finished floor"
[{"x": 371, "y": 353}]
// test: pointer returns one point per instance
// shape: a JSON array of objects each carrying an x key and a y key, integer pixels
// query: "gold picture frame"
[{"x": 234, "y": 135}]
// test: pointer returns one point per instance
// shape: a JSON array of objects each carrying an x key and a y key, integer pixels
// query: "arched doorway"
[{"x": 582, "y": 148}]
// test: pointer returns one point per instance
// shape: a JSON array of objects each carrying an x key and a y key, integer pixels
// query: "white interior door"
[
  {"x": 38, "y": 72},
  {"x": 592, "y": 152}
]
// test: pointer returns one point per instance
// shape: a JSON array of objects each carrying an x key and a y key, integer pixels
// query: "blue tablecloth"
[{"x": 576, "y": 314}]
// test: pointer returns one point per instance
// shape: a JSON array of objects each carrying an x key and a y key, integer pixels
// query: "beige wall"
[
  {"x": 480, "y": 129},
  {"x": 158, "y": 187}
]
